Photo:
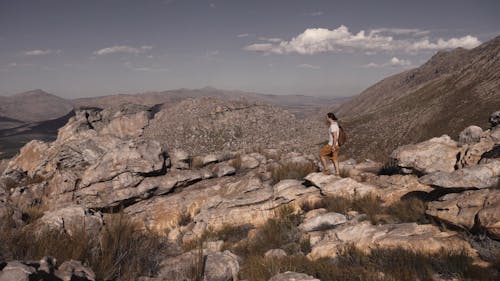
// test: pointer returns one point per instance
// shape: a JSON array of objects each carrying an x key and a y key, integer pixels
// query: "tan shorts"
[{"x": 326, "y": 151}]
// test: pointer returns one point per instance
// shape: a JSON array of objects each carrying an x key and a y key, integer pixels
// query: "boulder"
[
  {"x": 18, "y": 271},
  {"x": 275, "y": 253},
  {"x": 341, "y": 187},
  {"x": 292, "y": 276},
  {"x": 249, "y": 162},
  {"x": 224, "y": 169},
  {"x": 74, "y": 270},
  {"x": 470, "y": 135},
  {"x": 434, "y": 155},
  {"x": 489, "y": 215},
  {"x": 72, "y": 220},
  {"x": 459, "y": 209},
  {"x": 216, "y": 266},
  {"x": 495, "y": 119},
  {"x": 323, "y": 221},
  {"x": 426, "y": 239},
  {"x": 478, "y": 176}
]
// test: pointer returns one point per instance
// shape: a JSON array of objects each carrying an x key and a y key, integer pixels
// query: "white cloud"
[
  {"x": 393, "y": 62},
  {"x": 122, "y": 49},
  {"x": 42, "y": 52},
  {"x": 308, "y": 66},
  {"x": 400, "y": 31},
  {"x": 315, "y": 14},
  {"x": 321, "y": 40},
  {"x": 243, "y": 35},
  {"x": 272, "y": 40},
  {"x": 129, "y": 65}
]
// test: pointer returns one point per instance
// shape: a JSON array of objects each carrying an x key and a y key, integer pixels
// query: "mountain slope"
[
  {"x": 463, "y": 89},
  {"x": 34, "y": 106}
]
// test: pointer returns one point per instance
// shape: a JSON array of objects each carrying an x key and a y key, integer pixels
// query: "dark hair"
[{"x": 331, "y": 116}]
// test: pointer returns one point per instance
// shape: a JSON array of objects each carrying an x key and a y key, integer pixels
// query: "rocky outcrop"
[
  {"x": 425, "y": 239},
  {"x": 472, "y": 210},
  {"x": 434, "y": 155}
]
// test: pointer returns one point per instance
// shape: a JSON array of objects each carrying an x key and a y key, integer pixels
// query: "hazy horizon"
[{"x": 76, "y": 48}]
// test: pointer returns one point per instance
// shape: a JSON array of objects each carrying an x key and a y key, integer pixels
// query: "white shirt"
[{"x": 333, "y": 129}]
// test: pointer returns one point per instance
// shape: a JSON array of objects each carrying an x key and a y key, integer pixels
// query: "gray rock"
[
  {"x": 214, "y": 266},
  {"x": 179, "y": 159},
  {"x": 275, "y": 253},
  {"x": 222, "y": 266},
  {"x": 249, "y": 162},
  {"x": 479, "y": 176},
  {"x": 16, "y": 271},
  {"x": 224, "y": 170},
  {"x": 495, "y": 119},
  {"x": 73, "y": 220},
  {"x": 292, "y": 276},
  {"x": 470, "y": 135},
  {"x": 434, "y": 155},
  {"x": 74, "y": 270},
  {"x": 323, "y": 221}
]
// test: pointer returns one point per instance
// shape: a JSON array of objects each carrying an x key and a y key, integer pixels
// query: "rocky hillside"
[
  {"x": 451, "y": 91},
  {"x": 105, "y": 201},
  {"x": 33, "y": 106},
  {"x": 210, "y": 124}
]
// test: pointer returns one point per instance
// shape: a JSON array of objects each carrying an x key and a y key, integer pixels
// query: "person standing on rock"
[{"x": 331, "y": 150}]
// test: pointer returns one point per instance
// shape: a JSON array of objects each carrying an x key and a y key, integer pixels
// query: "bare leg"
[
  {"x": 335, "y": 162},
  {"x": 323, "y": 162}
]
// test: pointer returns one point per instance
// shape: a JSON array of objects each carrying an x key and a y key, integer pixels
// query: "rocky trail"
[{"x": 106, "y": 201}]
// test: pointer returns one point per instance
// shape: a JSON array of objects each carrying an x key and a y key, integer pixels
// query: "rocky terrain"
[
  {"x": 112, "y": 199},
  {"x": 454, "y": 89},
  {"x": 15, "y": 133},
  {"x": 209, "y": 124}
]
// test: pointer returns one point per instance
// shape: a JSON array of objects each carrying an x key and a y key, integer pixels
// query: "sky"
[{"x": 82, "y": 48}]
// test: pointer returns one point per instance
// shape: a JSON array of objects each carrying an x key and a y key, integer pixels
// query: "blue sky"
[{"x": 76, "y": 48}]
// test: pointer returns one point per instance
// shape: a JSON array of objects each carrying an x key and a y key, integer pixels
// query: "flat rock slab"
[
  {"x": 478, "y": 176},
  {"x": 293, "y": 276}
]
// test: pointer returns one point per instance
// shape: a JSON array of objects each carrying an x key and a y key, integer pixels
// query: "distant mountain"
[
  {"x": 299, "y": 105},
  {"x": 451, "y": 91},
  {"x": 34, "y": 106}
]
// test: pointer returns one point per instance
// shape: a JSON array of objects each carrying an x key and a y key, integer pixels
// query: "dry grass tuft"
[
  {"x": 292, "y": 171},
  {"x": 380, "y": 265},
  {"x": 408, "y": 210},
  {"x": 236, "y": 162},
  {"x": 120, "y": 253}
]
